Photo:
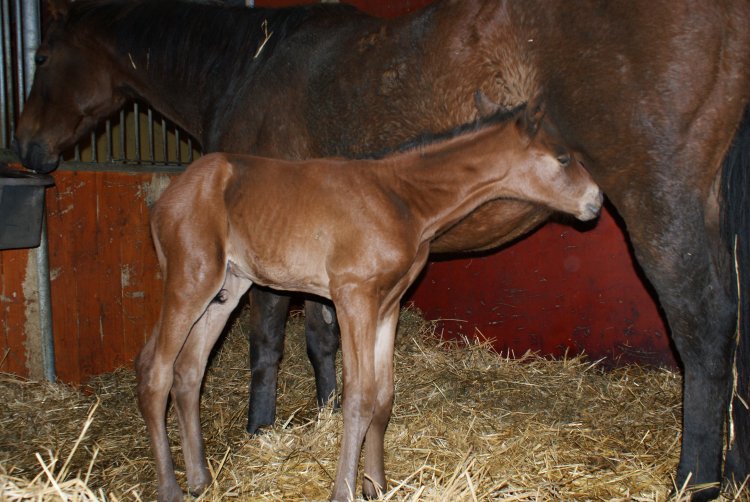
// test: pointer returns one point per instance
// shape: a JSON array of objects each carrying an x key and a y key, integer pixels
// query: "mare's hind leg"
[
  {"x": 184, "y": 303},
  {"x": 679, "y": 256},
  {"x": 189, "y": 370},
  {"x": 268, "y": 315},
  {"x": 322, "y": 333}
]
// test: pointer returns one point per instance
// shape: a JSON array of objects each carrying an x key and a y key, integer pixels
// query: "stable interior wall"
[{"x": 561, "y": 289}]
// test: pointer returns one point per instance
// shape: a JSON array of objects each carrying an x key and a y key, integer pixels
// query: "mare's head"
[
  {"x": 74, "y": 87},
  {"x": 551, "y": 174}
]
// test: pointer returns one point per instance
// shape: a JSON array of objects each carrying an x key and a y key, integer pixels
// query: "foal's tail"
[{"x": 735, "y": 228}]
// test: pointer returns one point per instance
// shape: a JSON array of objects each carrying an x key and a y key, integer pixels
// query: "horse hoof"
[
  {"x": 171, "y": 494},
  {"x": 198, "y": 490},
  {"x": 256, "y": 429},
  {"x": 698, "y": 494}
]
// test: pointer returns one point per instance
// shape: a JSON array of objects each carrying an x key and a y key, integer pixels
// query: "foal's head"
[{"x": 552, "y": 175}]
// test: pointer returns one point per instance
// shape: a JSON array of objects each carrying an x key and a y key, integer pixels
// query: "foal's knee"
[{"x": 186, "y": 383}]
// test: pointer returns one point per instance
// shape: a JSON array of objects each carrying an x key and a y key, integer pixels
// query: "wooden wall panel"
[
  {"x": 105, "y": 277},
  {"x": 13, "y": 271}
]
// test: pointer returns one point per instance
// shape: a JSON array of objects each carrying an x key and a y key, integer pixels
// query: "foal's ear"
[
  {"x": 485, "y": 106},
  {"x": 57, "y": 9},
  {"x": 533, "y": 115}
]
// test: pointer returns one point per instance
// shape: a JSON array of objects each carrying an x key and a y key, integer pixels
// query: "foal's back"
[{"x": 285, "y": 222}]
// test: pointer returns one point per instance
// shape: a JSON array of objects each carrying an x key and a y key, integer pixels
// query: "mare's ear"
[
  {"x": 485, "y": 106},
  {"x": 57, "y": 9}
]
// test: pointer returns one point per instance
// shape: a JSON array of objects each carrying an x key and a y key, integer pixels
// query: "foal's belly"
[{"x": 490, "y": 226}]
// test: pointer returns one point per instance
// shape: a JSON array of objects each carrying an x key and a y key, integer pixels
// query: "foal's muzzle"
[{"x": 591, "y": 208}]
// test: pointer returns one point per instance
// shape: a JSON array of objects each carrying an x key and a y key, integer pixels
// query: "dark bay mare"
[
  {"x": 651, "y": 92},
  {"x": 358, "y": 234}
]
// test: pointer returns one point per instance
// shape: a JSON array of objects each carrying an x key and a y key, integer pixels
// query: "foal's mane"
[
  {"x": 192, "y": 39},
  {"x": 427, "y": 139}
]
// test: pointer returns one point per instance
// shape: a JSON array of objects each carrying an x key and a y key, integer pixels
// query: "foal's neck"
[{"x": 447, "y": 181}]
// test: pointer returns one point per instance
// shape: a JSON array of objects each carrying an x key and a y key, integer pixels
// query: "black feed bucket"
[{"x": 21, "y": 207}]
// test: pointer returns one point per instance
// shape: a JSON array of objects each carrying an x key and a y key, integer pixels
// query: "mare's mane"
[{"x": 192, "y": 39}]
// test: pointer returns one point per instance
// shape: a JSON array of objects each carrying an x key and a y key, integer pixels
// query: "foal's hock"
[{"x": 355, "y": 231}]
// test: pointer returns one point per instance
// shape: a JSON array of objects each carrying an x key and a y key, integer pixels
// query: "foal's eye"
[
  {"x": 40, "y": 59},
  {"x": 564, "y": 159}
]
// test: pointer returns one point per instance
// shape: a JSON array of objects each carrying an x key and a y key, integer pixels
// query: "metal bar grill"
[
  {"x": 6, "y": 89},
  {"x": 136, "y": 136}
]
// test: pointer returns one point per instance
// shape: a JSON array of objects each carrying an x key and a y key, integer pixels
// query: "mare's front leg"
[
  {"x": 322, "y": 334},
  {"x": 189, "y": 371},
  {"x": 268, "y": 315}
]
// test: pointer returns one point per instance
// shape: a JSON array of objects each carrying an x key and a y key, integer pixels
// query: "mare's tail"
[{"x": 735, "y": 227}]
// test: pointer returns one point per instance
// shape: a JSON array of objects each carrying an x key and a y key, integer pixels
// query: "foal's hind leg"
[
  {"x": 189, "y": 370},
  {"x": 155, "y": 374}
]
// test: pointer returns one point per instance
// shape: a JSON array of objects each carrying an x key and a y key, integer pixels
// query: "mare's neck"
[
  {"x": 180, "y": 61},
  {"x": 447, "y": 181}
]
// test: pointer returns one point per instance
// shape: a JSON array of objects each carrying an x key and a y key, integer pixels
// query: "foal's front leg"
[
  {"x": 189, "y": 370},
  {"x": 374, "y": 483},
  {"x": 357, "y": 311}
]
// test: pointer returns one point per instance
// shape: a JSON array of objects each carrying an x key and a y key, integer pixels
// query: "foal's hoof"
[
  {"x": 198, "y": 490},
  {"x": 170, "y": 494},
  {"x": 197, "y": 487}
]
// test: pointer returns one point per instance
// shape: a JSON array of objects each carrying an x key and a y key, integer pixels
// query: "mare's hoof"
[
  {"x": 256, "y": 429},
  {"x": 696, "y": 494}
]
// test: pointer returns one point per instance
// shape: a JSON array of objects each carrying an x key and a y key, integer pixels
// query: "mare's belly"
[{"x": 490, "y": 226}]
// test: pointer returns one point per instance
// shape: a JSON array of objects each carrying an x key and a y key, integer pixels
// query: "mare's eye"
[
  {"x": 564, "y": 159},
  {"x": 40, "y": 59}
]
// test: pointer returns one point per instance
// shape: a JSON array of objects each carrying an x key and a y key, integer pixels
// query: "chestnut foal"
[{"x": 355, "y": 231}]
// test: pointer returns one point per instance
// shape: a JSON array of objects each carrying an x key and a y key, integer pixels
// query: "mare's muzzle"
[{"x": 35, "y": 157}]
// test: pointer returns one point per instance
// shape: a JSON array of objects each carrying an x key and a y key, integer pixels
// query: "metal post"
[
  {"x": 30, "y": 38},
  {"x": 6, "y": 84}
]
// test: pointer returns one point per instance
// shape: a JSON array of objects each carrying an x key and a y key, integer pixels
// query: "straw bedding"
[{"x": 467, "y": 425}]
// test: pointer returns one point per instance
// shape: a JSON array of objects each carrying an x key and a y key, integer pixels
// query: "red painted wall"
[{"x": 558, "y": 290}]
